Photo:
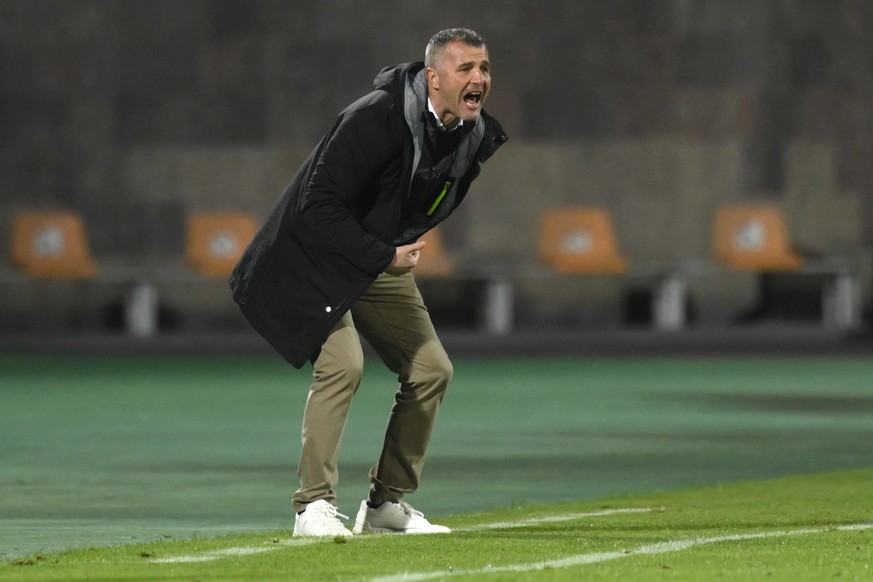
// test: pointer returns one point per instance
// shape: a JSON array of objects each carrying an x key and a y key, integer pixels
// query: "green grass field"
[
  {"x": 628, "y": 468},
  {"x": 805, "y": 528}
]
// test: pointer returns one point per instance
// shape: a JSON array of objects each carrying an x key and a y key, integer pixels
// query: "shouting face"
[{"x": 459, "y": 82}]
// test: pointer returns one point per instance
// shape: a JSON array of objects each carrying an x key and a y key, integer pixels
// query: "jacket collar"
[{"x": 415, "y": 104}]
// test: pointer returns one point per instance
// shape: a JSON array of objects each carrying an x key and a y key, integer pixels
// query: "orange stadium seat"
[
  {"x": 215, "y": 241},
  {"x": 51, "y": 245},
  {"x": 580, "y": 240},
  {"x": 753, "y": 237},
  {"x": 434, "y": 261}
]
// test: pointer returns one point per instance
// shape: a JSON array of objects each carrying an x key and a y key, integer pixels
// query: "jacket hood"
[{"x": 392, "y": 79}]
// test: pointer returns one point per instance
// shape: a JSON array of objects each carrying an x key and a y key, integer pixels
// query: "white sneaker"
[
  {"x": 394, "y": 518},
  {"x": 320, "y": 518}
]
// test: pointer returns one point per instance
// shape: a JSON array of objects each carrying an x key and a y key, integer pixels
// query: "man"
[{"x": 335, "y": 258}]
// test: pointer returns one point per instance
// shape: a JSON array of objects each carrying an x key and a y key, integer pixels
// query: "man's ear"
[{"x": 433, "y": 79}]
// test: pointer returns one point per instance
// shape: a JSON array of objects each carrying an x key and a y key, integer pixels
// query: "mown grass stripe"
[
  {"x": 249, "y": 550},
  {"x": 553, "y": 519},
  {"x": 596, "y": 557},
  {"x": 234, "y": 552}
]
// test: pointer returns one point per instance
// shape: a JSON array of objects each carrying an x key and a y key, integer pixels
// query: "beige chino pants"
[{"x": 392, "y": 317}]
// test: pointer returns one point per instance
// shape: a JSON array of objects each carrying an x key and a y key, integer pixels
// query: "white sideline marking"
[
  {"x": 553, "y": 519},
  {"x": 214, "y": 555},
  {"x": 251, "y": 550},
  {"x": 237, "y": 551},
  {"x": 596, "y": 557}
]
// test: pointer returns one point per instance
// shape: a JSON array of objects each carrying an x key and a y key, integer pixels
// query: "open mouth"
[{"x": 473, "y": 98}]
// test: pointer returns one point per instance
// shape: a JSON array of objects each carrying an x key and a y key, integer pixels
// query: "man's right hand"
[{"x": 405, "y": 258}]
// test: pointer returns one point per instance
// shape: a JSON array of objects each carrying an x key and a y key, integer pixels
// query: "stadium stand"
[
  {"x": 583, "y": 241},
  {"x": 215, "y": 241},
  {"x": 51, "y": 245},
  {"x": 571, "y": 241},
  {"x": 580, "y": 241},
  {"x": 756, "y": 238},
  {"x": 54, "y": 245}
]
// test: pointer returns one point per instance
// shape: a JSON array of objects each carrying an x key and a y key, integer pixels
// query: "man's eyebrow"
[{"x": 484, "y": 62}]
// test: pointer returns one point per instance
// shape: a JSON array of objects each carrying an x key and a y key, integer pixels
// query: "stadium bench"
[
  {"x": 572, "y": 241},
  {"x": 54, "y": 245},
  {"x": 580, "y": 241},
  {"x": 213, "y": 244},
  {"x": 755, "y": 238}
]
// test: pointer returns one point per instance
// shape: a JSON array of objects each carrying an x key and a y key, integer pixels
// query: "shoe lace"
[
  {"x": 409, "y": 510},
  {"x": 328, "y": 514}
]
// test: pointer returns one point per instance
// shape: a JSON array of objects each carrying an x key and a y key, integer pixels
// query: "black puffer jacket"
[{"x": 335, "y": 226}]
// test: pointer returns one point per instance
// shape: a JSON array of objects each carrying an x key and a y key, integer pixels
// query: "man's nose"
[{"x": 478, "y": 76}]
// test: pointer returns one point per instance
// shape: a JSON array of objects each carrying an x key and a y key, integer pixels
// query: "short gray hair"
[{"x": 440, "y": 40}]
